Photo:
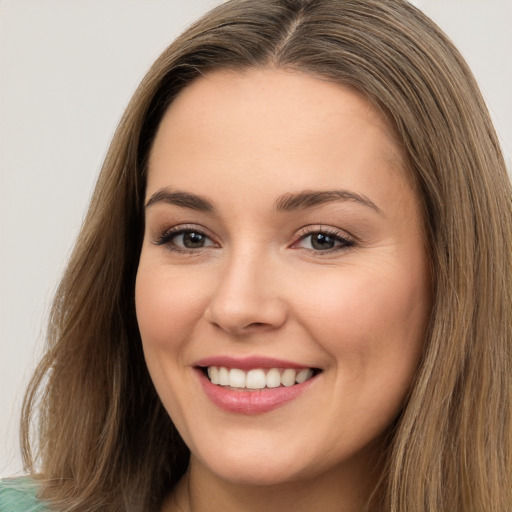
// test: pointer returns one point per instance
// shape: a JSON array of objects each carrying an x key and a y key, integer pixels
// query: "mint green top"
[{"x": 20, "y": 495}]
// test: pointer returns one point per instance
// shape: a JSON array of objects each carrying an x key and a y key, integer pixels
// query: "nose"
[{"x": 247, "y": 298}]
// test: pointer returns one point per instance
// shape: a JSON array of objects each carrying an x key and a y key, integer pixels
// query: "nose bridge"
[{"x": 247, "y": 295}]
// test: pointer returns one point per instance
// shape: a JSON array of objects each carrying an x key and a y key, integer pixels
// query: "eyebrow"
[
  {"x": 310, "y": 198},
  {"x": 183, "y": 199},
  {"x": 286, "y": 203}
]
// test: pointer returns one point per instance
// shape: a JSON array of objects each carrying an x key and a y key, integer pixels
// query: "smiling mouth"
[{"x": 257, "y": 378}]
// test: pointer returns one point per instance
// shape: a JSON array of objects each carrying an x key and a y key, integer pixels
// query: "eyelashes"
[
  {"x": 184, "y": 239},
  {"x": 323, "y": 240},
  {"x": 314, "y": 239}
]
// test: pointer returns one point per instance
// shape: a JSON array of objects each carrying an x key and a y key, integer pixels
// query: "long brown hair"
[{"x": 104, "y": 440}]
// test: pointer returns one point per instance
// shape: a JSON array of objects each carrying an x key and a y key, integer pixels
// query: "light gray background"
[{"x": 67, "y": 70}]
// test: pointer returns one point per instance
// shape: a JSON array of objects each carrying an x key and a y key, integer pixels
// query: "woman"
[{"x": 292, "y": 288}]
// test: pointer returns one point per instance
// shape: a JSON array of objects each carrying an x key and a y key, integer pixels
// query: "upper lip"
[{"x": 248, "y": 363}]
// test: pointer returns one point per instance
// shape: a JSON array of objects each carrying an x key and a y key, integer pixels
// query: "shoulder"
[{"x": 20, "y": 495}]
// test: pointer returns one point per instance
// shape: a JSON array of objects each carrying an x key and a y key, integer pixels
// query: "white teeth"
[
  {"x": 303, "y": 375},
  {"x": 223, "y": 376},
  {"x": 257, "y": 378},
  {"x": 236, "y": 378},
  {"x": 213, "y": 373},
  {"x": 288, "y": 377},
  {"x": 273, "y": 378}
]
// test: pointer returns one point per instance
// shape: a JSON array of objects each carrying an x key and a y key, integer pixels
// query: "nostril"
[{"x": 244, "y": 315}]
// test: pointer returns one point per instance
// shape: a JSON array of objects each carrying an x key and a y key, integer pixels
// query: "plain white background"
[{"x": 67, "y": 70}]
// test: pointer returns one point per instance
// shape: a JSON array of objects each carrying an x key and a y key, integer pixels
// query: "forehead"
[
  {"x": 271, "y": 98},
  {"x": 274, "y": 126}
]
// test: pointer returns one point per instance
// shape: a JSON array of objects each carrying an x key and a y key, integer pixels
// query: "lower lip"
[{"x": 252, "y": 402}]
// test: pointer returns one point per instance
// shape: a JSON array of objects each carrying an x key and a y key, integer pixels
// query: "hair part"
[{"x": 105, "y": 440}]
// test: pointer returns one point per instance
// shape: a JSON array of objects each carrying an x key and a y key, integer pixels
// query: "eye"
[
  {"x": 185, "y": 239},
  {"x": 323, "y": 241},
  {"x": 191, "y": 240}
]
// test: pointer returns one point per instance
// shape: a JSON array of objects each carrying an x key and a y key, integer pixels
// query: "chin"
[{"x": 259, "y": 468}]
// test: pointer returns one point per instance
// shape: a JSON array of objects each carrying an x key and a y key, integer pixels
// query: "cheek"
[
  {"x": 373, "y": 325},
  {"x": 167, "y": 312},
  {"x": 167, "y": 307},
  {"x": 372, "y": 319}
]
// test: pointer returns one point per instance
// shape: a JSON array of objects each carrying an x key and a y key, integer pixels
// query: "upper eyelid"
[
  {"x": 179, "y": 228},
  {"x": 162, "y": 236},
  {"x": 319, "y": 228}
]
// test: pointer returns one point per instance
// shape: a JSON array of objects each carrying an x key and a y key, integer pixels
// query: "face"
[{"x": 284, "y": 257}]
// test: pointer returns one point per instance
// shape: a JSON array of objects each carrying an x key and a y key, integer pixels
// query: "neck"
[{"x": 341, "y": 490}]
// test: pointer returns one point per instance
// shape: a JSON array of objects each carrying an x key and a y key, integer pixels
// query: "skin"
[{"x": 357, "y": 310}]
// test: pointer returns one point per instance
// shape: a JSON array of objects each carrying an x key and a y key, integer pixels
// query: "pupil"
[
  {"x": 193, "y": 240},
  {"x": 322, "y": 242}
]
